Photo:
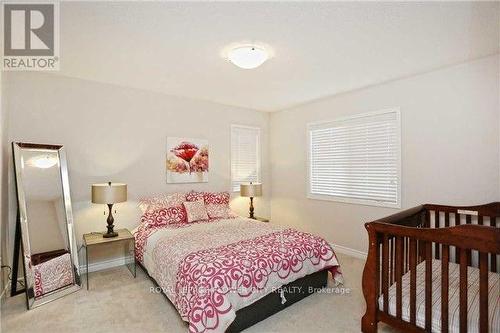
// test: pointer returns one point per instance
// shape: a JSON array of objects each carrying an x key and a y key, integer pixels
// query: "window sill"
[{"x": 354, "y": 201}]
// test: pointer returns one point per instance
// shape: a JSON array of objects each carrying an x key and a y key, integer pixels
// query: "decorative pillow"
[
  {"x": 216, "y": 211},
  {"x": 164, "y": 216},
  {"x": 195, "y": 211},
  {"x": 217, "y": 204},
  {"x": 157, "y": 202},
  {"x": 216, "y": 198},
  {"x": 195, "y": 196}
]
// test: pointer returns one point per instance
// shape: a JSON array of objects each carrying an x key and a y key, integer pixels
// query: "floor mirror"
[{"x": 45, "y": 231}]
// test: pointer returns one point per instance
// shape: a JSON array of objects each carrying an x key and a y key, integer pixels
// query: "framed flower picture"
[{"x": 187, "y": 160}]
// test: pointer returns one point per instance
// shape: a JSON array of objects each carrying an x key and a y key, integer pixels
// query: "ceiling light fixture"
[
  {"x": 44, "y": 162},
  {"x": 248, "y": 56}
]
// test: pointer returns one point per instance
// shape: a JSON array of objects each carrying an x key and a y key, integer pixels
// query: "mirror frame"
[{"x": 31, "y": 301}]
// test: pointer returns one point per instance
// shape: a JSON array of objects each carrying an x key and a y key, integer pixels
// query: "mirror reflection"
[
  {"x": 50, "y": 257},
  {"x": 44, "y": 202}
]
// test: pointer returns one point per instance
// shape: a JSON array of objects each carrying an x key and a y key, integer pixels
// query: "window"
[
  {"x": 357, "y": 159},
  {"x": 245, "y": 155}
]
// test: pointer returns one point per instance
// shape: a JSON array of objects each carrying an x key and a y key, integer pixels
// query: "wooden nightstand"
[{"x": 124, "y": 236}]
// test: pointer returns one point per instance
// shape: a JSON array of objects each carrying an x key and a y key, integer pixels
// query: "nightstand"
[
  {"x": 125, "y": 237},
  {"x": 261, "y": 219}
]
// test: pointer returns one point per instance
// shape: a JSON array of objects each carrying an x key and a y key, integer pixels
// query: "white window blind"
[
  {"x": 357, "y": 159},
  {"x": 245, "y": 155}
]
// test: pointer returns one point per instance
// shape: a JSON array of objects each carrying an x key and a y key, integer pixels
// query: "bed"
[
  {"x": 434, "y": 268},
  {"x": 227, "y": 274}
]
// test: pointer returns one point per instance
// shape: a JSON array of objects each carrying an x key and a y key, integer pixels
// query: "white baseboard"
[
  {"x": 350, "y": 252},
  {"x": 105, "y": 264}
]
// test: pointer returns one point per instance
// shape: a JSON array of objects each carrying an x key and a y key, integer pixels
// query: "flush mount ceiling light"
[{"x": 248, "y": 56}]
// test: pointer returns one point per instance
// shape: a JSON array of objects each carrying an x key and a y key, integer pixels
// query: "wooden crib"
[{"x": 415, "y": 253}]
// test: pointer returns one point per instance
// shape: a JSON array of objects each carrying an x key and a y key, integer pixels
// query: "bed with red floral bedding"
[{"x": 211, "y": 269}]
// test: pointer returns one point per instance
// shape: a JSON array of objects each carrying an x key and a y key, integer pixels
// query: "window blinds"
[
  {"x": 245, "y": 155},
  {"x": 356, "y": 159}
]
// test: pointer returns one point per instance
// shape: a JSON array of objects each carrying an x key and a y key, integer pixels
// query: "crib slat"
[
  {"x": 385, "y": 272},
  {"x": 445, "y": 288},
  {"x": 393, "y": 258},
  {"x": 468, "y": 220},
  {"x": 413, "y": 280},
  {"x": 483, "y": 292},
  {"x": 399, "y": 274},
  {"x": 407, "y": 254},
  {"x": 457, "y": 250},
  {"x": 437, "y": 225},
  {"x": 493, "y": 256},
  {"x": 428, "y": 286},
  {"x": 463, "y": 291}
]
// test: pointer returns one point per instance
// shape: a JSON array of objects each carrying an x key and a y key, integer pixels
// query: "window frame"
[
  {"x": 364, "y": 202},
  {"x": 259, "y": 152}
]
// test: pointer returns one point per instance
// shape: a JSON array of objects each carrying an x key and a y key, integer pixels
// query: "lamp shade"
[
  {"x": 251, "y": 190},
  {"x": 109, "y": 193}
]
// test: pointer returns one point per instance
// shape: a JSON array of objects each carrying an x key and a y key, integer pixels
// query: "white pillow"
[{"x": 195, "y": 211}]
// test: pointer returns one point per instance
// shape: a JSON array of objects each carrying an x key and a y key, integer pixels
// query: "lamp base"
[
  {"x": 110, "y": 234},
  {"x": 250, "y": 215}
]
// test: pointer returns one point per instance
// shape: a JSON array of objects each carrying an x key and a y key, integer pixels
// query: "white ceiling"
[{"x": 321, "y": 48}]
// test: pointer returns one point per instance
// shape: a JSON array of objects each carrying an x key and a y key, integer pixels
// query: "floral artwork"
[{"x": 187, "y": 160}]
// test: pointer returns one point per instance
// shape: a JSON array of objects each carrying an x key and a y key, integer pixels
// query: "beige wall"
[
  {"x": 450, "y": 148},
  {"x": 450, "y": 143},
  {"x": 119, "y": 134}
]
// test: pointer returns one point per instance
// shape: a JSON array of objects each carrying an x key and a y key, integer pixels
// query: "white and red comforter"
[
  {"x": 209, "y": 270},
  {"x": 53, "y": 274}
]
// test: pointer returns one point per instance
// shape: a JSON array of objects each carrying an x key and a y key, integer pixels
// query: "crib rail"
[{"x": 468, "y": 236}]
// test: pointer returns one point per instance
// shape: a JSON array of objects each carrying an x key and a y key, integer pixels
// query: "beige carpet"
[{"x": 116, "y": 302}]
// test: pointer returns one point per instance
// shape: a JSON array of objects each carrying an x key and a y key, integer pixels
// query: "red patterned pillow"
[
  {"x": 217, "y": 198},
  {"x": 217, "y": 204},
  {"x": 157, "y": 202},
  {"x": 164, "y": 216},
  {"x": 195, "y": 196},
  {"x": 195, "y": 211}
]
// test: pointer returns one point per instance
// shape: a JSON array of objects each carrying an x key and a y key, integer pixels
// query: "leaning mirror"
[{"x": 48, "y": 246}]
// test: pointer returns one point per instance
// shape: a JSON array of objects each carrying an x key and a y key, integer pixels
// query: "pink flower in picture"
[
  {"x": 185, "y": 150},
  {"x": 200, "y": 162},
  {"x": 187, "y": 160},
  {"x": 176, "y": 165}
]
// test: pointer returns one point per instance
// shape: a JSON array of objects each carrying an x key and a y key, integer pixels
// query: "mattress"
[
  {"x": 210, "y": 270},
  {"x": 453, "y": 302}
]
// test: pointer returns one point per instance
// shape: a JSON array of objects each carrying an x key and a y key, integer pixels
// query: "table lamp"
[
  {"x": 109, "y": 194},
  {"x": 251, "y": 190}
]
